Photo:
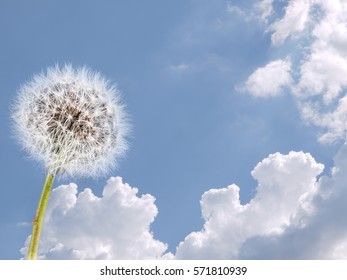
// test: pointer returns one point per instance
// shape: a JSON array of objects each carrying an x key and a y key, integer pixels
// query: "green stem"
[{"x": 38, "y": 221}]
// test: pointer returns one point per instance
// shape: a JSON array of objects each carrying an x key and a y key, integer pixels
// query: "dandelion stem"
[{"x": 38, "y": 220}]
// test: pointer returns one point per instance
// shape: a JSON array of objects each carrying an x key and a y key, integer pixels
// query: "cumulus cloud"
[
  {"x": 318, "y": 230},
  {"x": 323, "y": 73},
  {"x": 113, "y": 226},
  {"x": 324, "y": 69},
  {"x": 269, "y": 80},
  {"x": 294, "y": 215},
  {"x": 284, "y": 184}
]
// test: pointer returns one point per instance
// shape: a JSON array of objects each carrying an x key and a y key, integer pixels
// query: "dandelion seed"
[{"x": 74, "y": 123}]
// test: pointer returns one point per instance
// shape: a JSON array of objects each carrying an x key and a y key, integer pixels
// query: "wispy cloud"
[
  {"x": 293, "y": 22},
  {"x": 265, "y": 9},
  {"x": 179, "y": 67},
  {"x": 233, "y": 9}
]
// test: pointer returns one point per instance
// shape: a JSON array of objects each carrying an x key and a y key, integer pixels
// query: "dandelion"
[{"x": 73, "y": 122}]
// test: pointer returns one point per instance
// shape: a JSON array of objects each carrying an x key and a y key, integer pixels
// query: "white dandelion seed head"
[{"x": 72, "y": 120}]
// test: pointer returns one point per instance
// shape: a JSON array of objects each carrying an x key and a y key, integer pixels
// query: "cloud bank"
[{"x": 295, "y": 214}]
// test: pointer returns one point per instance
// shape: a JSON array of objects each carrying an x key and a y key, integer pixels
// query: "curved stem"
[{"x": 38, "y": 220}]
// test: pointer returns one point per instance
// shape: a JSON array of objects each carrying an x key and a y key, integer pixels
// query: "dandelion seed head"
[{"x": 72, "y": 120}]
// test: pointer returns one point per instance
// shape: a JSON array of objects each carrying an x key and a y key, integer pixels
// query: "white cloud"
[
  {"x": 269, "y": 80},
  {"x": 294, "y": 21},
  {"x": 317, "y": 74},
  {"x": 285, "y": 182},
  {"x": 335, "y": 120},
  {"x": 317, "y": 234},
  {"x": 293, "y": 215},
  {"x": 323, "y": 72},
  {"x": 113, "y": 226},
  {"x": 324, "y": 69}
]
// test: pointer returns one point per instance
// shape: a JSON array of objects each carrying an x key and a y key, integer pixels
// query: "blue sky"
[{"x": 212, "y": 89}]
